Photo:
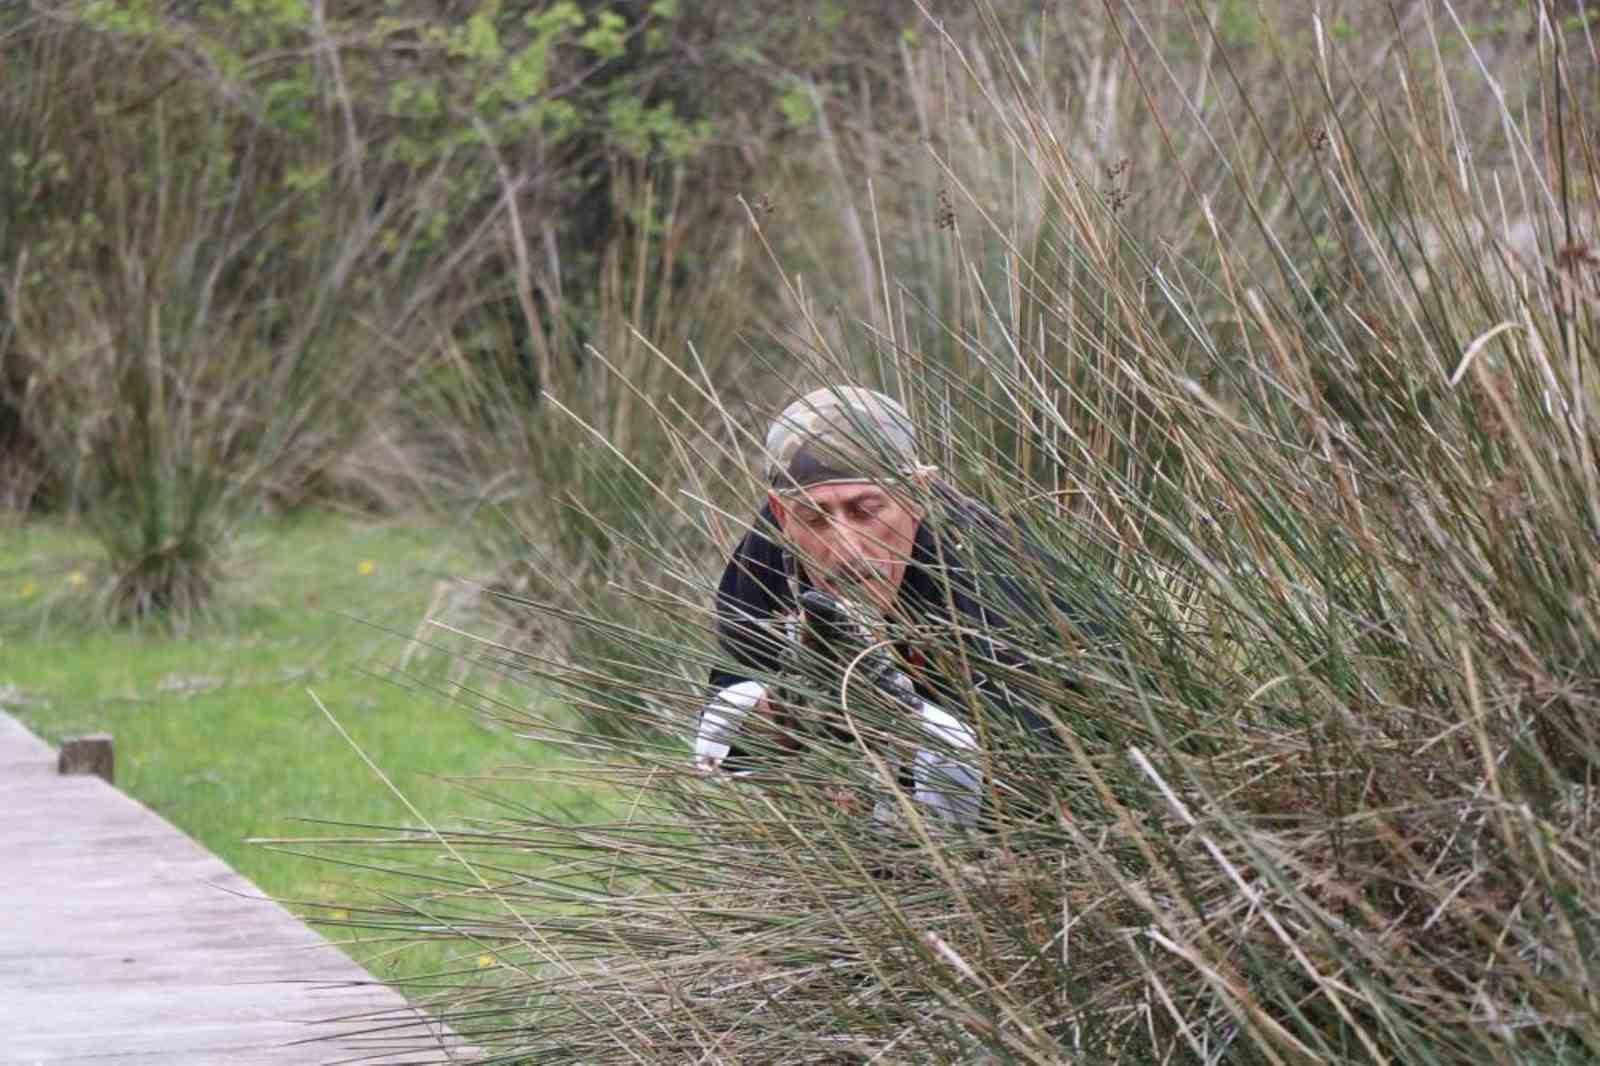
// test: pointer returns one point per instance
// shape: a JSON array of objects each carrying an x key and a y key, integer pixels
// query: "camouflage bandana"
[{"x": 839, "y": 434}]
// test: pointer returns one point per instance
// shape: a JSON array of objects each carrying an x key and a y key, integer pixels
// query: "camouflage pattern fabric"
[{"x": 839, "y": 434}]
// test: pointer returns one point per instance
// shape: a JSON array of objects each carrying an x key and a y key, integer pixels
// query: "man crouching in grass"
[{"x": 858, "y": 562}]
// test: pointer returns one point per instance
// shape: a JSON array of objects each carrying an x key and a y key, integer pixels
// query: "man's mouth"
[{"x": 847, "y": 576}]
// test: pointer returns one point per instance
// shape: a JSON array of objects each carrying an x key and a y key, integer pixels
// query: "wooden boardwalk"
[{"x": 125, "y": 943}]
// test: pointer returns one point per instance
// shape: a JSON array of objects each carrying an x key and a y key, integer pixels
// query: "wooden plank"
[
  {"x": 90, "y": 754},
  {"x": 246, "y": 964},
  {"x": 223, "y": 1045},
  {"x": 122, "y": 941}
]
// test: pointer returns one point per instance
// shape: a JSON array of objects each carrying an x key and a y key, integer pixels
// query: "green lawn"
[{"x": 215, "y": 731}]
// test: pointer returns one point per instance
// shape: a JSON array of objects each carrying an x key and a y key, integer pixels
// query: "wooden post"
[{"x": 87, "y": 755}]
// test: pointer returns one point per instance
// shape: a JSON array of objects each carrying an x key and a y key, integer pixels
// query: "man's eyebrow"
[{"x": 807, "y": 503}]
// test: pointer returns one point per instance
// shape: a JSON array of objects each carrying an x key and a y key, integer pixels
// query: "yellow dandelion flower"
[
  {"x": 367, "y": 568},
  {"x": 29, "y": 589},
  {"x": 77, "y": 579},
  {"x": 485, "y": 961}
]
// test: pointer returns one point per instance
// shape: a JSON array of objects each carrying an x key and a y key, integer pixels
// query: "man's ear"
[{"x": 775, "y": 502}]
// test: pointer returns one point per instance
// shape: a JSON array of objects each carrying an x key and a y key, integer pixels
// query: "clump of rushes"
[
  {"x": 564, "y": 479},
  {"x": 189, "y": 337},
  {"x": 1322, "y": 455}
]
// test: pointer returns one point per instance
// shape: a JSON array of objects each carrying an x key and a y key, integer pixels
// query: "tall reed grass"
[
  {"x": 193, "y": 334},
  {"x": 1301, "y": 392}
]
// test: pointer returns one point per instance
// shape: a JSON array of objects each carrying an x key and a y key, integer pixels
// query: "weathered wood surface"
[
  {"x": 125, "y": 943},
  {"x": 92, "y": 754}
]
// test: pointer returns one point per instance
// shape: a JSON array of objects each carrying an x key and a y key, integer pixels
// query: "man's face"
[{"x": 854, "y": 538}]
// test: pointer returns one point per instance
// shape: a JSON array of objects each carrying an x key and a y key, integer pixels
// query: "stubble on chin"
[{"x": 877, "y": 593}]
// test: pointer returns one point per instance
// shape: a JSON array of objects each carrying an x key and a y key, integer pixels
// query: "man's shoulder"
[
  {"x": 959, "y": 527},
  {"x": 753, "y": 593},
  {"x": 1005, "y": 571}
]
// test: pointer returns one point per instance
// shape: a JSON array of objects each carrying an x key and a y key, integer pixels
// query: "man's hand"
[
  {"x": 722, "y": 718},
  {"x": 947, "y": 779},
  {"x": 833, "y": 641},
  {"x": 830, "y": 636}
]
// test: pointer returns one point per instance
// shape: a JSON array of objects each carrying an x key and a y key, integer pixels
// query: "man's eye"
[
  {"x": 868, "y": 509},
  {"x": 813, "y": 519}
]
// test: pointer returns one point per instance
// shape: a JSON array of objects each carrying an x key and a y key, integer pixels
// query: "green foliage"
[
  {"x": 477, "y": 39},
  {"x": 1238, "y": 22},
  {"x": 288, "y": 103},
  {"x": 135, "y": 17},
  {"x": 796, "y": 105},
  {"x": 655, "y": 132},
  {"x": 606, "y": 39},
  {"x": 285, "y": 13}
]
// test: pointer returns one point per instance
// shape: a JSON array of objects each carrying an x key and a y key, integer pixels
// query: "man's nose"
[{"x": 848, "y": 543}]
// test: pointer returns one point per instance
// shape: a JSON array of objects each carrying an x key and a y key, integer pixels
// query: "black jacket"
[{"x": 755, "y": 598}]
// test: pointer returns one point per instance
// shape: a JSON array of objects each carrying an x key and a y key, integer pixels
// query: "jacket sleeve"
[{"x": 753, "y": 603}]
